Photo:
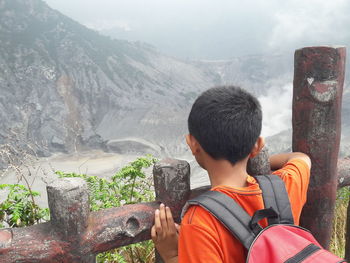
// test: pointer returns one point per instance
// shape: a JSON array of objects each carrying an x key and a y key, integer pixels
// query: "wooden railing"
[{"x": 74, "y": 234}]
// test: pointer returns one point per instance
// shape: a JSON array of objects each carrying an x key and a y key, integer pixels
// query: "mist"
[
  {"x": 222, "y": 30},
  {"x": 203, "y": 29}
]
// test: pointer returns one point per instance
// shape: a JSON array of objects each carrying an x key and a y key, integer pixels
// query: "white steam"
[{"x": 277, "y": 109}]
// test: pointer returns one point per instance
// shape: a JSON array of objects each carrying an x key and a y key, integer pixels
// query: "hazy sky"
[{"x": 216, "y": 29}]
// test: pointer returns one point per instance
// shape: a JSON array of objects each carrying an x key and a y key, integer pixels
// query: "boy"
[{"x": 224, "y": 132}]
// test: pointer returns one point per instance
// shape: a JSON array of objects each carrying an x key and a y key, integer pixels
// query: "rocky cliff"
[{"x": 66, "y": 88}]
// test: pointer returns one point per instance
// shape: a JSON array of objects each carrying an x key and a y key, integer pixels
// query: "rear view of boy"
[{"x": 224, "y": 132}]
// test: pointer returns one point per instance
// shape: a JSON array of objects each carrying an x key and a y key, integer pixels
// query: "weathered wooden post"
[
  {"x": 260, "y": 165},
  {"x": 317, "y": 96},
  {"x": 68, "y": 200},
  {"x": 69, "y": 206},
  {"x": 172, "y": 186}
]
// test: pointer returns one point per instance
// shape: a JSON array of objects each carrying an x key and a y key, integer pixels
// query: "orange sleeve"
[
  {"x": 196, "y": 245},
  {"x": 198, "y": 241},
  {"x": 296, "y": 176}
]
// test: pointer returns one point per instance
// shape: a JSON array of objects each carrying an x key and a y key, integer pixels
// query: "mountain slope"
[{"x": 65, "y": 87}]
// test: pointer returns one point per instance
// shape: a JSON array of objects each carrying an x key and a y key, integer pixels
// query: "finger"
[
  {"x": 162, "y": 215},
  {"x": 177, "y": 227},
  {"x": 170, "y": 220},
  {"x": 157, "y": 224},
  {"x": 154, "y": 234}
]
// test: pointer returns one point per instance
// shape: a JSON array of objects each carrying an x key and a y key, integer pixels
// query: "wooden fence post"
[
  {"x": 172, "y": 186},
  {"x": 317, "y": 97},
  {"x": 260, "y": 164},
  {"x": 68, "y": 200}
]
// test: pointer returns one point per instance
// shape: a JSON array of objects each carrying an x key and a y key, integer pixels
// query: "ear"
[
  {"x": 193, "y": 144},
  {"x": 260, "y": 143}
]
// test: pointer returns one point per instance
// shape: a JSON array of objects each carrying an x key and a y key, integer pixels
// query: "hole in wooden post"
[{"x": 132, "y": 224}]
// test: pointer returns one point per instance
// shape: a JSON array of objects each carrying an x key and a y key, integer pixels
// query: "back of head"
[{"x": 226, "y": 121}]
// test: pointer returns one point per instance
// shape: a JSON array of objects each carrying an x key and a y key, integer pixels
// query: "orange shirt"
[{"x": 203, "y": 239}]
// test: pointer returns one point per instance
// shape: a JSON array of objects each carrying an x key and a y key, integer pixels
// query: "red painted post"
[
  {"x": 116, "y": 227},
  {"x": 317, "y": 97}
]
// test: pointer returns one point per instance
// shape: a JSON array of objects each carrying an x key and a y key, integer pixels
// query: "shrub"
[
  {"x": 128, "y": 186},
  {"x": 19, "y": 209}
]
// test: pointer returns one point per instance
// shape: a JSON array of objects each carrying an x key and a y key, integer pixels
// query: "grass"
[{"x": 337, "y": 245}]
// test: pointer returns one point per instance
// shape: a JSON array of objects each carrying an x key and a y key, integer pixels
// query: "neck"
[{"x": 222, "y": 172}]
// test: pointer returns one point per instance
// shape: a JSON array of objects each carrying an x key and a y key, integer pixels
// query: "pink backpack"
[{"x": 281, "y": 241}]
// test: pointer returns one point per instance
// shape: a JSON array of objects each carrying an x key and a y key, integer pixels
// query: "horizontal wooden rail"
[{"x": 74, "y": 234}]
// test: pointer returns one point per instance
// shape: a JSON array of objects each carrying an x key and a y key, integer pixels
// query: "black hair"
[{"x": 226, "y": 122}]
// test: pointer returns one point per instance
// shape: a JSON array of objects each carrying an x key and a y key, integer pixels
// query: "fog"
[
  {"x": 277, "y": 114},
  {"x": 221, "y": 29}
]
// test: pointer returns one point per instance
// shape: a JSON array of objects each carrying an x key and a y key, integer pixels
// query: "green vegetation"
[
  {"x": 337, "y": 245},
  {"x": 128, "y": 186},
  {"x": 19, "y": 209}
]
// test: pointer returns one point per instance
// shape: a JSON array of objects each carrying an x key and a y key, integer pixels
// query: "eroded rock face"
[{"x": 65, "y": 87}]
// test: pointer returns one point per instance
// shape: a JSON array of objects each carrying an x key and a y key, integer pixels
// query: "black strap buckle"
[{"x": 269, "y": 213}]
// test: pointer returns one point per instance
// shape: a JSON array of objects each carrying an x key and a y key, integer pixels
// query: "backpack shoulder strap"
[
  {"x": 231, "y": 215},
  {"x": 275, "y": 196}
]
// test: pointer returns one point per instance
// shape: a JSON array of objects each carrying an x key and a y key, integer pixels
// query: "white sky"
[{"x": 216, "y": 29}]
